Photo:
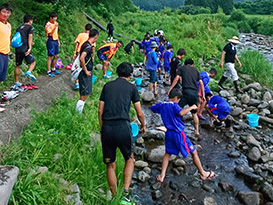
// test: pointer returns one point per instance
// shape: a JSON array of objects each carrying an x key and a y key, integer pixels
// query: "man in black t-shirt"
[
  {"x": 114, "y": 108},
  {"x": 176, "y": 62},
  {"x": 110, "y": 28},
  {"x": 85, "y": 76},
  {"x": 130, "y": 46},
  {"x": 189, "y": 77},
  {"x": 24, "y": 51},
  {"x": 230, "y": 55}
]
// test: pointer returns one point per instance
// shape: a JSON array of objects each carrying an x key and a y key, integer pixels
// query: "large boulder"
[
  {"x": 156, "y": 154},
  {"x": 256, "y": 86},
  {"x": 224, "y": 94},
  {"x": 236, "y": 111},
  {"x": 245, "y": 99},
  {"x": 267, "y": 96},
  {"x": 147, "y": 96},
  {"x": 254, "y": 154},
  {"x": 250, "y": 198}
]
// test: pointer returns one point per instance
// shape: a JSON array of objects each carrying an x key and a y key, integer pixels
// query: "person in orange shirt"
[
  {"x": 52, "y": 44},
  {"x": 110, "y": 49},
  {"x": 81, "y": 38}
]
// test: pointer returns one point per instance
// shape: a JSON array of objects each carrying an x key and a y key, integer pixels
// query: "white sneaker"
[{"x": 2, "y": 109}]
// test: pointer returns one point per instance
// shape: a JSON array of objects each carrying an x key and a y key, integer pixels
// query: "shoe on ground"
[
  {"x": 56, "y": 72},
  {"x": 17, "y": 88},
  {"x": 218, "y": 124},
  {"x": 201, "y": 117},
  {"x": 221, "y": 86},
  {"x": 127, "y": 199},
  {"x": 30, "y": 76},
  {"x": 77, "y": 86},
  {"x": 2, "y": 109},
  {"x": 33, "y": 86},
  {"x": 2, "y": 104},
  {"x": 18, "y": 84},
  {"x": 50, "y": 74},
  {"x": 106, "y": 76},
  {"x": 27, "y": 87}
]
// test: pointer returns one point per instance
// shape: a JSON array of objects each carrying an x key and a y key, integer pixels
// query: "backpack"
[
  {"x": 76, "y": 68},
  {"x": 16, "y": 40}
]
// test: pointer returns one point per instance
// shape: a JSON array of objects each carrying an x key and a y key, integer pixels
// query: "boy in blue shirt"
[
  {"x": 217, "y": 105},
  {"x": 176, "y": 139},
  {"x": 168, "y": 54}
]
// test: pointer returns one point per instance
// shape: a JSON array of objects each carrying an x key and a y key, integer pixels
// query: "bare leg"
[
  {"x": 151, "y": 86},
  {"x": 17, "y": 73},
  {"x": 128, "y": 172},
  {"x": 54, "y": 61},
  {"x": 105, "y": 65},
  {"x": 112, "y": 178},
  {"x": 48, "y": 63},
  {"x": 165, "y": 164},
  {"x": 155, "y": 88},
  {"x": 31, "y": 66},
  {"x": 196, "y": 123}
]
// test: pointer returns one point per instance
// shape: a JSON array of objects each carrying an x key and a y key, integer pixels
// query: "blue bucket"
[
  {"x": 253, "y": 120},
  {"x": 94, "y": 79},
  {"x": 134, "y": 130},
  {"x": 109, "y": 73},
  {"x": 138, "y": 81}
]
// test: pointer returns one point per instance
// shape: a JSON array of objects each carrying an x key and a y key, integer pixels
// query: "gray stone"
[
  {"x": 209, "y": 201},
  {"x": 156, "y": 154},
  {"x": 267, "y": 96},
  {"x": 173, "y": 186},
  {"x": 225, "y": 186},
  {"x": 154, "y": 134},
  {"x": 156, "y": 186},
  {"x": 256, "y": 86},
  {"x": 254, "y": 102},
  {"x": 266, "y": 112},
  {"x": 156, "y": 194},
  {"x": 147, "y": 96},
  {"x": 147, "y": 170},
  {"x": 208, "y": 188},
  {"x": 263, "y": 105},
  {"x": 137, "y": 72},
  {"x": 141, "y": 164},
  {"x": 267, "y": 190},
  {"x": 251, "y": 141},
  {"x": 179, "y": 162},
  {"x": 224, "y": 93},
  {"x": 143, "y": 176},
  {"x": 98, "y": 67},
  {"x": 175, "y": 171},
  {"x": 241, "y": 169},
  {"x": 236, "y": 111},
  {"x": 271, "y": 105},
  {"x": 42, "y": 169},
  {"x": 75, "y": 188},
  {"x": 57, "y": 157},
  {"x": 245, "y": 98},
  {"x": 254, "y": 154},
  {"x": 250, "y": 177},
  {"x": 251, "y": 198},
  {"x": 234, "y": 154}
]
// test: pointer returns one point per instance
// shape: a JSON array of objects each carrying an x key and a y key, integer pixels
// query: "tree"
[{"x": 226, "y": 5}]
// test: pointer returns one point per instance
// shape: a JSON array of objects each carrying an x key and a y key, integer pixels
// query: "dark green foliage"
[
  {"x": 266, "y": 26},
  {"x": 226, "y": 5},
  {"x": 157, "y": 5},
  {"x": 256, "y": 7},
  {"x": 243, "y": 26},
  {"x": 237, "y": 15},
  {"x": 191, "y": 9}
]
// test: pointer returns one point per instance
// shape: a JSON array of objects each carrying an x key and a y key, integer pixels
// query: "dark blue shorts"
[
  {"x": 176, "y": 142},
  {"x": 153, "y": 76},
  {"x": 4, "y": 60},
  {"x": 222, "y": 113},
  {"x": 20, "y": 56},
  {"x": 190, "y": 97},
  {"x": 52, "y": 47},
  {"x": 167, "y": 69}
]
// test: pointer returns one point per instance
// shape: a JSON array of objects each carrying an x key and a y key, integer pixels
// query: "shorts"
[
  {"x": 20, "y": 56},
  {"x": 159, "y": 65},
  {"x": 116, "y": 135},
  {"x": 231, "y": 71},
  {"x": 4, "y": 60},
  {"x": 222, "y": 113},
  {"x": 176, "y": 142},
  {"x": 167, "y": 69},
  {"x": 102, "y": 57},
  {"x": 207, "y": 90},
  {"x": 190, "y": 97},
  {"x": 52, "y": 47},
  {"x": 153, "y": 76},
  {"x": 85, "y": 84}
]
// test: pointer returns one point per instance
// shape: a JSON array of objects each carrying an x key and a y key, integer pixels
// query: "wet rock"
[
  {"x": 256, "y": 86},
  {"x": 179, "y": 162},
  {"x": 173, "y": 186},
  {"x": 234, "y": 154},
  {"x": 254, "y": 154},
  {"x": 267, "y": 96},
  {"x": 137, "y": 72},
  {"x": 251, "y": 141},
  {"x": 250, "y": 198},
  {"x": 147, "y": 170},
  {"x": 254, "y": 102},
  {"x": 225, "y": 186},
  {"x": 252, "y": 178},
  {"x": 156, "y": 186},
  {"x": 154, "y": 134},
  {"x": 143, "y": 176},
  {"x": 224, "y": 94},
  {"x": 156, "y": 195},
  {"x": 271, "y": 105},
  {"x": 175, "y": 171},
  {"x": 180, "y": 169},
  {"x": 147, "y": 96},
  {"x": 208, "y": 188},
  {"x": 241, "y": 169},
  {"x": 139, "y": 150},
  {"x": 236, "y": 111},
  {"x": 263, "y": 105},
  {"x": 209, "y": 201},
  {"x": 267, "y": 190},
  {"x": 240, "y": 125},
  {"x": 245, "y": 99},
  {"x": 141, "y": 164}
]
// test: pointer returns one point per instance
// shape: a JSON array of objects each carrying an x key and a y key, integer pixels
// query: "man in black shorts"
[
  {"x": 189, "y": 77},
  {"x": 176, "y": 62},
  {"x": 130, "y": 46},
  {"x": 114, "y": 107},
  {"x": 110, "y": 29},
  {"x": 24, "y": 51},
  {"x": 85, "y": 76}
]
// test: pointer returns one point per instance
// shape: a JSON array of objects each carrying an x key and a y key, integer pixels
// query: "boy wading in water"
[{"x": 176, "y": 139}]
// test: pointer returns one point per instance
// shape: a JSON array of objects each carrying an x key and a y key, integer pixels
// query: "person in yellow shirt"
[
  {"x": 81, "y": 38},
  {"x": 5, "y": 34},
  {"x": 52, "y": 44},
  {"x": 110, "y": 49}
]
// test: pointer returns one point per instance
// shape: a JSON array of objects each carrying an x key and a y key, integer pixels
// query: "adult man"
[
  {"x": 129, "y": 47},
  {"x": 85, "y": 76},
  {"x": 113, "y": 112},
  {"x": 110, "y": 49},
  {"x": 176, "y": 62},
  {"x": 52, "y": 44},
  {"x": 110, "y": 29},
  {"x": 168, "y": 54},
  {"x": 24, "y": 51},
  {"x": 189, "y": 77},
  {"x": 81, "y": 38},
  {"x": 230, "y": 55}
]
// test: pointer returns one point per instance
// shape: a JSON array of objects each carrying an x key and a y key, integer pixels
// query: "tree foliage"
[
  {"x": 157, "y": 5},
  {"x": 226, "y": 5},
  {"x": 256, "y": 7}
]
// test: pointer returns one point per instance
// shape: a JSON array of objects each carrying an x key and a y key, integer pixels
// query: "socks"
[
  {"x": 236, "y": 85},
  {"x": 80, "y": 106},
  {"x": 222, "y": 80}
]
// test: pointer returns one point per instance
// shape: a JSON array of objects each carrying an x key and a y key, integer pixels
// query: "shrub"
[
  {"x": 244, "y": 27},
  {"x": 237, "y": 15},
  {"x": 229, "y": 32},
  {"x": 254, "y": 23},
  {"x": 266, "y": 27}
]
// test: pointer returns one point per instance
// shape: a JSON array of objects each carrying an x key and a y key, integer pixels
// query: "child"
[
  {"x": 217, "y": 105},
  {"x": 176, "y": 139},
  {"x": 205, "y": 77},
  {"x": 167, "y": 60}
]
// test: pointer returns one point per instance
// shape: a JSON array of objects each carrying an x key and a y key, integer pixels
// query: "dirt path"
[{"x": 18, "y": 113}]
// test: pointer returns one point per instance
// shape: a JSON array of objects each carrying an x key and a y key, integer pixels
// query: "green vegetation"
[
  {"x": 157, "y": 5},
  {"x": 213, "y": 5},
  {"x": 256, "y": 7}
]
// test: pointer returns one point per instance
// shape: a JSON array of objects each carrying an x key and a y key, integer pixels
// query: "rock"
[
  {"x": 75, "y": 188},
  {"x": 98, "y": 67},
  {"x": 252, "y": 178},
  {"x": 267, "y": 96},
  {"x": 208, "y": 188},
  {"x": 241, "y": 169},
  {"x": 236, "y": 111},
  {"x": 267, "y": 190},
  {"x": 250, "y": 198},
  {"x": 141, "y": 164},
  {"x": 251, "y": 141},
  {"x": 101, "y": 191},
  {"x": 140, "y": 140},
  {"x": 254, "y": 154},
  {"x": 8, "y": 177},
  {"x": 137, "y": 72},
  {"x": 225, "y": 186},
  {"x": 175, "y": 171},
  {"x": 173, "y": 186},
  {"x": 271, "y": 105},
  {"x": 224, "y": 93},
  {"x": 139, "y": 151},
  {"x": 263, "y": 105},
  {"x": 143, "y": 176},
  {"x": 42, "y": 169},
  {"x": 156, "y": 194},
  {"x": 147, "y": 170},
  {"x": 156, "y": 154},
  {"x": 209, "y": 201},
  {"x": 167, "y": 83},
  {"x": 156, "y": 186},
  {"x": 179, "y": 162},
  {"x": 254, "y": 102},
  {"x": 147, "y": 96},
  {"x": 57, "y": 157},
  {"x": 265, "y": 112},
  {"x": 200, "y": 61},
  {"x": 245, "y": 98},
  {"x": 154, "y": 134},
  {"x": 256, "y": 86},
  {"x": 234, "y": 154},
  {"x": 1, "y": 143}
]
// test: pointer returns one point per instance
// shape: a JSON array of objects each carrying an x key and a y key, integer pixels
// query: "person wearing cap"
[
  {"x": 229, "y": 54},
  {"x": 151, "y": 66}
]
